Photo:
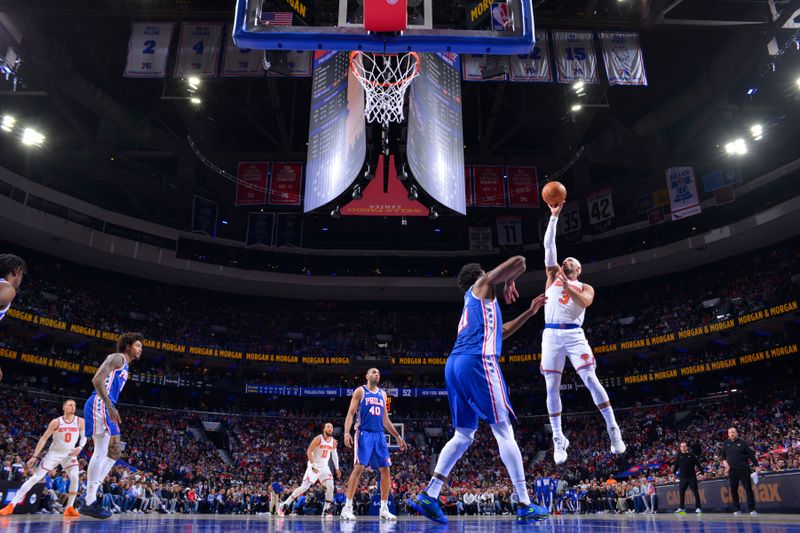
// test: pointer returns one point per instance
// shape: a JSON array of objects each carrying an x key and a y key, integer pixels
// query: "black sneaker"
[{"x": 95, "y": 510}]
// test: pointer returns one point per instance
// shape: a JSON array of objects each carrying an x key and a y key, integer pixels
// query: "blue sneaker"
[
  {"x": 427, "y": 507},
  {"x": 95, "y": 510},
  {"x": 527, "y": 514}
]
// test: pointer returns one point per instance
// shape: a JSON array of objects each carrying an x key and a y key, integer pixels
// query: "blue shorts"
[
  {"x": 96, "y": 417},
  {"x": 476, "y": 389},
  {"x": 372, "y": 450}
]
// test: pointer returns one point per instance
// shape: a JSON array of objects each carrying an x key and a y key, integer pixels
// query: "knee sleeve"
[
  {"x": 598, "y": 392},
  {"x": 552, "y": 381}
]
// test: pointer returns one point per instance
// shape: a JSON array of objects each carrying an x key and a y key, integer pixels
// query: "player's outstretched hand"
[
  {"x": 555, "y": 211},
  {"x": 348, "y": 440},
  {"x": 402, "y": 443},
  {"x": 538, "y": 302},
  {"x": 510, "y": 293},
  {"x": 31, "y": 463},
  {"x": 113, "y": 414},
  {"x": 76, "y": 452},
  {"x": 338, "y": 474},
  {"x": 560, "y": 276}
]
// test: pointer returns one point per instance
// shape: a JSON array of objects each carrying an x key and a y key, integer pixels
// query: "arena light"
[
  {"x": 578, "y": 86},
  {"x": 194, "y": 82},
  {"x": 8, "y": 123},
  {"x": 757, "y": 130},
  {"x": 797, "y": 82},
  {"x": 575, "y": 108},
  {"x": 752, "y": 91},
  {"x": 31, "y": 137},
  {"x": 736, "y": 147},
  {"x": 195, "y": 100}
]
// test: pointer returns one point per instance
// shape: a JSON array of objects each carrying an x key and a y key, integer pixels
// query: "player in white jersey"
[
  {"x": 567, "y": 300},
  {"x": 68, "y": 441},
  {"x": 320, "y": 452},
  {"x": 12, "y": 269}
]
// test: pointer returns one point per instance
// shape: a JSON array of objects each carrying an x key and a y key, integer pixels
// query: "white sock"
[
  {"x": 434, "y": 487},
  {"x": 555, "y": 423},
  {"x": 512, "y": 459},
  {"x": 384, "y": 505},
  {"x": 608, "y": 415},
  {"x": 449, "y": 456},
  {"x": 348, "y": 502},
  {"x": 94, "y": 473}
]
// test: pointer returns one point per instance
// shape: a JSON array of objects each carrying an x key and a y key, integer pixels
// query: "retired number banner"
[
  {"x": 622, "y": 53},
  {"x": 148, "y": 49},
  {"x": 251, "y": 183},
  {"x": 601, "y": 206},
  {"x": 474, "y": 64},
  {"x": 285, "y": 186},
  {"x": 523, "y": 187},
  {"x": 241, "y": 62},
  {"x": 575, "y": 56},
  {"x": 533, "y": 67},
  {"x": 682, "y": 187},
  {"x": 198, "y": 50},
  {"x": 489, "y": 189},
  {"x": 299, "y": 65}
]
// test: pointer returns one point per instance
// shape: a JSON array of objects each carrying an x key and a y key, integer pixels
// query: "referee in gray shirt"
[{"x": 736, "y": 457}]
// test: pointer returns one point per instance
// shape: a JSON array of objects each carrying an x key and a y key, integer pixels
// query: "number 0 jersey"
[
  {"x": 66, "y": 436},
  {"x": 480, "y": 330},
  {"x": 561, "y": 308}
]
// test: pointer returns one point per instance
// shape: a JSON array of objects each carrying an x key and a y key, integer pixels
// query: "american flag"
[{"x": 273, "y": 18}]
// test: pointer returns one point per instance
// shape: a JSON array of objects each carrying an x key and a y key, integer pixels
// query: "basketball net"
[{"x": 385, "y": 78}]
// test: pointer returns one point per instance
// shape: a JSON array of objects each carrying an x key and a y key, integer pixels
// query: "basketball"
[{"x": 554, "y": 193}]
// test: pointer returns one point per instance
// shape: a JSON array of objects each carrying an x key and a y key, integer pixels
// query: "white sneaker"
[
  {"x": 753, "y": 513},
  {"x": 560, "y": 445},
  {"x": 386, "y": 515},
  {"x": 617, "y": 445},
  {"x": 678, "y": 511},
  {"x": 347, "y": 513},
  {"x": 737, "y": 513},
  {"x": 698, "y": 511}
]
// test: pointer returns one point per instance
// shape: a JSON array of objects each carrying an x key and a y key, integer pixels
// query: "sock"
[
  {"x": 73, "y": 486},
  {"x": 608, "y": 415},
  {"x": 348, "y": 502},
  {"x": 108, "y": 464},
  {"x": 555, "y": 423},
  {"x": 94, "y": 473},
  {"x": 434, "y": 487},
  {"x": 449, "y": 456},
  {"x": 384, "y": 505},
  {"x": 522, "y": 492}
]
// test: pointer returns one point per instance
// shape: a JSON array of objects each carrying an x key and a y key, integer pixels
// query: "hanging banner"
[
  {"x": 298, "y": 65},
  {"x": 260, "y": 228},
  {"x": 601, "y": 206},
  {"x": 568, "y": 222},
  {"x": 523, "y": 187},
  {"x": 622, "y": 53},
  {"x": 251, "y": 183},
  {"x": 286, "y": 183},
  {"x": 509, "y": 230},
  {"x": 533, "y": 67},
  {"x": 290, "y": 230},
  {"x": 468, "y": 185},
  {"x": 682, "y": 187},
  {"x": 575, "y": 56},
  {"x": 480, "y": 239},
  {"x": 721, "y": 178},
  {"x": 475, "y": 64},
  {"x": 148, "y": 49},
  {"x": 241, "y": 62},
  {"x": 489, "y": 189},
  {"x": 198, "y": 50},
  {"x": 204, "y": 216}
]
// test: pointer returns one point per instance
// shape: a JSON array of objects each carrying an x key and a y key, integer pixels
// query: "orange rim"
[{"x": 388, "y": 83}]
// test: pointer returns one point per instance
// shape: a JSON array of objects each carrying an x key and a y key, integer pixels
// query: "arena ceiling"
[{"x": 123, "y": 143}]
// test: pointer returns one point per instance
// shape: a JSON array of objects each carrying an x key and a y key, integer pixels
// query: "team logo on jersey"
[{"x": 585, "y": 357}]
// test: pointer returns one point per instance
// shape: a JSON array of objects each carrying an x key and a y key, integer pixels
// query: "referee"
[
  {"x": 685, "y": 465},
  {"x": 735, "y": 455}
]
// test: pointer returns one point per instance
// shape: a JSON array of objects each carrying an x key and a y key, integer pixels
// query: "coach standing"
[
  {"x": 735, "y": 455},
  {"x": 685, "y": 465}
]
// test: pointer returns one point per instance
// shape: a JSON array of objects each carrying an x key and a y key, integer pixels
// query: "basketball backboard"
[{"x": 460, "y": 26}]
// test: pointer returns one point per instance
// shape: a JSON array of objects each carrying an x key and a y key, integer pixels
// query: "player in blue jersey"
[
  {"x": 369, "y": 405},
  {"x": 475, "y": 385},
  {"x": 12, "y": 269},
  {"x": 102, "y": 418}
]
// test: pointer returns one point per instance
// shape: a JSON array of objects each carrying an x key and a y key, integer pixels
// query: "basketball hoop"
[{"x": 385, "y": 78}]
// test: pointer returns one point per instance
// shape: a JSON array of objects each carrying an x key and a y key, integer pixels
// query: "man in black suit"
[
  {"x": 685, "y": 465},
  {"x": 735, "y": 456}
]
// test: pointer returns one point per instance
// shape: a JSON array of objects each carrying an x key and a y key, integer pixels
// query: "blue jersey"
[
  {"x": 370, "y": 411},
  {"x": 480, "y": 330},
  {"x": 4, "y": 310},
  {"x": 114, "y": 383},
  {"x": 553, "y": 485}
]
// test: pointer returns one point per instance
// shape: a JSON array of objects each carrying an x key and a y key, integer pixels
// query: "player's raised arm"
[
  {"x": 113, "y": 362},
  {"x": 387, "y": 424},
  {"x": 351, "y": 412},
  {"x": 506, "y": 272},
  {"x": 549, "y": 244},
  {"x": 511, "y": 327},
  {"x": 52, "y": 427}
]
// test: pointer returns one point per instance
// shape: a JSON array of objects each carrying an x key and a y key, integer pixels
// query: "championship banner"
[
  {"x": 260, "y": 228},
  {"x": 468, "y": 185},
  {"x": 474, "y": 64},
  {"x": 523, "y": 187},
  {"x": 721, "y": 178},
  {"x": 148, "y": 49},
  {"x": 575, "y": 56},
  {"x": 198, "y": 50},
  {"x": 489, "y": 187},
  {"x": 298, "y": 65},
  {"x": 204, "y": 216},
  {"x": 241, "y": 62},
  {"x": 286, "y": 183},
  {"x": 601, "y": 206},
  {"x": 533, "y": 67},
  {"x": 682, "y": 187},
  {"x": 290, "y": 230},
  {"x": 622, "y": 53},
  {"x": 251, "y": 183}
]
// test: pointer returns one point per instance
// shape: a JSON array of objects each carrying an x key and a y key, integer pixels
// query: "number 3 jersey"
[{"x": 561, "y": 308}]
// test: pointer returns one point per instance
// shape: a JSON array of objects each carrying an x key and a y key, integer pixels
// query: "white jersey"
[
  {"x": 561, "y": 308},
  {"x": 66, "y": 436},
  {"x": 5, "y": 309},
  {"x": 322, "y": 454}
]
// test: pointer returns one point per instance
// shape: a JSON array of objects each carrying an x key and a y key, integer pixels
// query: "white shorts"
[
  {"x": 322, "y": 475},
  {"x": 558, "y": 344},
  {"x": 54, "y": 458}
]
